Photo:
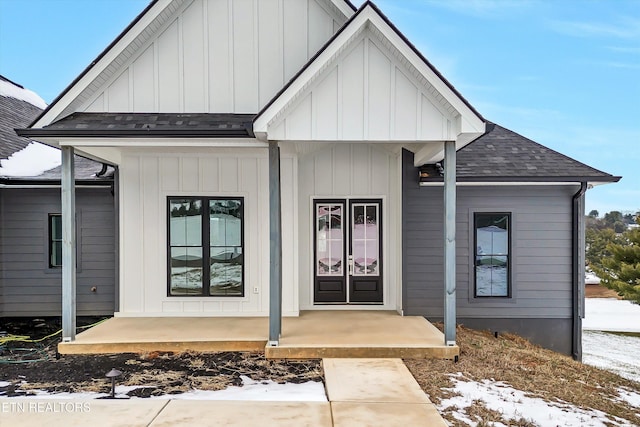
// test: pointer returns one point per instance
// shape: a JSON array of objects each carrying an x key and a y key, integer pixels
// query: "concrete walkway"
[{"x": 361, "y": 392}]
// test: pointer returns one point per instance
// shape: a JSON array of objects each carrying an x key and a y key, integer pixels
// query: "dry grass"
[
  {"x": 536, "y": 371},
  {"x": 597, "y": 291}
]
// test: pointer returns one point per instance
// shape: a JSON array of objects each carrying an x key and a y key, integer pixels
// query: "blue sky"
[{"x": 565, "y": 73}]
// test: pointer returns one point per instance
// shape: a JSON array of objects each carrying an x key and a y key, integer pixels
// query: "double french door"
[{"x": 347, "y": 251}]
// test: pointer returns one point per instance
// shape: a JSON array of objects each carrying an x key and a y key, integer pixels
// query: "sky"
[{"x": 564, "y": 73}]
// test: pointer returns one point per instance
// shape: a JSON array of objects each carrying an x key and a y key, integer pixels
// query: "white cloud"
[
  {"x": 483, "y": 8},
  {"x": 624, "y": 28}
]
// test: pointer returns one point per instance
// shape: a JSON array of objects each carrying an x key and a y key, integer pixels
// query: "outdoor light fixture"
[{"x": 113, "y": 374}]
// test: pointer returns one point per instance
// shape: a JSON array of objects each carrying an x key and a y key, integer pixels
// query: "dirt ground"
[
  {"x": 26, "y": 366},
  {"x": 597, "y": 291}
]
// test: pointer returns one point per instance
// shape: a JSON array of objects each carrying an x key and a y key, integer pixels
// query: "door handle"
[{"x": 350, "y": 265}]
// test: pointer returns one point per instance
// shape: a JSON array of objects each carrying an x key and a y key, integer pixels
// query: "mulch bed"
[{"x": 28, "y": 366}]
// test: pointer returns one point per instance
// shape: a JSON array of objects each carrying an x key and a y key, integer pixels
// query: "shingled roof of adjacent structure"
[
  {"x": 14, "y": 113},
  {"x": 501, "y": 155},
  {"x": 18, "y": 113},
  {"x": 144, "y": 125}
]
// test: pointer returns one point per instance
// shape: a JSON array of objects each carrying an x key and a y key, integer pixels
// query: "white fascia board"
[
  {"x": 103, "y": 63},
  {"x": 502, "y": 184},
  {"x": 164, "y": 142}
]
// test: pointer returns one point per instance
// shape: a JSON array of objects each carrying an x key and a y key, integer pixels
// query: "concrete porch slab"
[
  {"x": 232, "y": 413},
  {"x": 171, "y": 334},
  {"x": 312, "y": 335},
  {"x": 371, "y": 380},
  {"x": 344, "y": 334}
]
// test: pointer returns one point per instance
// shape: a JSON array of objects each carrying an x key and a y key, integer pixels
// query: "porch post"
[
  {"x": 68, "y": 246},
  {"x": 275, "y": 246},
  {"x": 450, "y": 242}
]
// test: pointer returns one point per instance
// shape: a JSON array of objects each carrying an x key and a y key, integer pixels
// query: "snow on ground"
[
  {"x": 630, "y": 397},
  {"x": 613, "y": 352},
  {"x": 10, "y": 90},
  {"x": 33, "y": 160},
  {"x": 610, "y": 314},
  {"x": 514, "y": 405},
  {"x": 250, "y": 391}
]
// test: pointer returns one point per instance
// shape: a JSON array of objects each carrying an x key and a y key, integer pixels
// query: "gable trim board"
[
  {"x": 226, "y": 154},
  {"x": 470, "y": 124}
]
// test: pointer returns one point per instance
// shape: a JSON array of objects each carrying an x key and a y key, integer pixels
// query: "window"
[
  {"x": 492, "y": 261},
  {"x": 55, "y": 240},
  {"x": 205, "y": 246}
]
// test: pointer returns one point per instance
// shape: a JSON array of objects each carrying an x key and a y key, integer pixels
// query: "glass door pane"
[
  {"x": 365, "y": 238},
  {"x": 329, "y": 239}
]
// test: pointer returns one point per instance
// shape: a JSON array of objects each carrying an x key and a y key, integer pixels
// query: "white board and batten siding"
[
  {"x": 149, "y": 178},
  {"x": 349, "y": 170},
  {"x": 367, "y": 93},
  {"x": 218, "y": 56}
]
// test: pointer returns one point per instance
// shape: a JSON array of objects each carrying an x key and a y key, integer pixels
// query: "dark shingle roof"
[
  {"x": 14, "y": 113},
  {"x": 141, "y": 125},
  {"x": 85, "y": 169},
  {"x": 503, "y": 155}
]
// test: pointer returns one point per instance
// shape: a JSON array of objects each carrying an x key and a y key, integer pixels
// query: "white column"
[
  {"x": 68, "y": 246},
  {"x": 450, "y": 242}
]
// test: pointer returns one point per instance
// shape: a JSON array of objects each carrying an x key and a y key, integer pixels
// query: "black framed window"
[
  {"x": 492, "y": 270},
  {"x": 205, "y": 246},
  {"x": 55, "y": 240}
]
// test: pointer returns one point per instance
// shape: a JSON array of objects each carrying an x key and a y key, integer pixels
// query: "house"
[
  {"x": 30, "y": 232},
  {"x": 281, "y": 156}
]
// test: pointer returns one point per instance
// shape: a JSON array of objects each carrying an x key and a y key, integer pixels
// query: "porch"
[{"x": 312, "y": 335}]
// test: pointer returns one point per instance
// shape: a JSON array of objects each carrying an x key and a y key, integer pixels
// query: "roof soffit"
[
  {"x": 368, "y": 19},
  {"x": 104, "y": 69}
]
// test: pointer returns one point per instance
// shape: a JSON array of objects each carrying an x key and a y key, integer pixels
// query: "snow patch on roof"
[
  {"x": 33, "y": 160},
  {"x": 9, "y": 90}
]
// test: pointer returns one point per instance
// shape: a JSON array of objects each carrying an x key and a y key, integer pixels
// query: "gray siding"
[
  {"x": 27, "y": 285},
  {"x": 541, "y": 259}
]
